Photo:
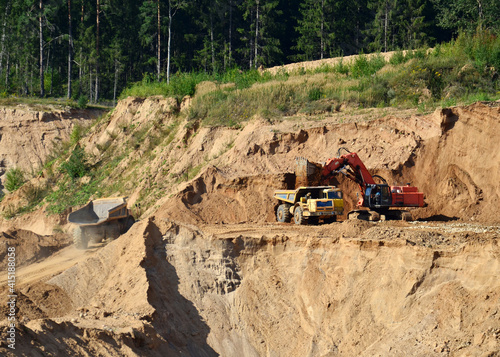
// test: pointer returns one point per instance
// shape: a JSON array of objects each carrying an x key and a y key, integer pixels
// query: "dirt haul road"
[{"x": 178, "y": 284}]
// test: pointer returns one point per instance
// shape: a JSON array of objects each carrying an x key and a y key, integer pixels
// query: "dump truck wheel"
[
  {"x": 79, "y": 238},
  {"x": 112, "y": 230},
  {"x": 129, "y": 222},
  {"x": 298, "y": 216},
  {"x": 283, "y": 213}
]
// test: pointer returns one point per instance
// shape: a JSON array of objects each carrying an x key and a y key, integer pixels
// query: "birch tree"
[{"x": 173, "y": 7}]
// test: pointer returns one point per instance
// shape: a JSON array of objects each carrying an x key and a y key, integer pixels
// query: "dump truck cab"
[{"x": 307, "y": 205}]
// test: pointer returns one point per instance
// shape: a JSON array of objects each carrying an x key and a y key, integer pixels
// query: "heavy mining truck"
[
  {"x": 381, "y": 200},
  {"x": 105, "y": 218},
  {"x": 307, "y": 205}
]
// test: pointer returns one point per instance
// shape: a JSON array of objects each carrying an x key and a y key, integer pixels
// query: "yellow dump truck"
[
  {"x": 307, "y": 205},
  {"x": 104, "y": 218}
]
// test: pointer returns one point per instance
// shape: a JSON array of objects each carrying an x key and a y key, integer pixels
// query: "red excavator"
[{"x": 377, "y": 197}]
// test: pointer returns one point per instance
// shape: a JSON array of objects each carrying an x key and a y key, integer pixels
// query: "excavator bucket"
[{"x": 306, "y": 173}]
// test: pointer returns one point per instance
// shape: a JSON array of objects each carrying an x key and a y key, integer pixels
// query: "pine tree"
[
  {"x": 411, "y": 25},
  {"x": 382, "y": 29},
  {"x": 260, "y": 35},
  {"x": 173, "y": 7},
  {"x": 467, "y": 14},
  {"x": 313, "y": 29}
]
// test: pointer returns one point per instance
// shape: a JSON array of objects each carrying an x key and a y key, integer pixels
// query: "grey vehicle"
[{"x": 104, "y": 218}]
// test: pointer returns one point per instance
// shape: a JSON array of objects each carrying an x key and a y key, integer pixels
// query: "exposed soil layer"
[
  {"x": 28, "y": 137},
  {"x": 449, "y": 155},
  {"x": 30, "y": 247},
  {"x": 352, "y": 288},
  {"x": 208, "y": 272}
]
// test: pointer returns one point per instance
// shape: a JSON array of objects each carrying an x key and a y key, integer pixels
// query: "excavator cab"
[{"x": 377, "y": 196}]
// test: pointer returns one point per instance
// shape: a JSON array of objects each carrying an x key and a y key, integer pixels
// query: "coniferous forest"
[{"x": 96, "y": 48}]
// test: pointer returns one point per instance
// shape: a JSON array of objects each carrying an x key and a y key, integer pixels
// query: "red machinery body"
[{"x": 374, "y": 196}]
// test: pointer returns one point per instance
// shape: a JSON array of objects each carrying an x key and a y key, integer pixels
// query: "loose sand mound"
[
  {"x": 212, "y": 197},
  {"x": 30, "y": 247}
]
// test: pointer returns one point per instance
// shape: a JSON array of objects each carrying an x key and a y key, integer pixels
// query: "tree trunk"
[
  {"x": 80, "y": 66},
  {"x": 51, "y": 61},
  {"x": 40, "y": 22},
  {"x": 116, "y": 82},
  {"x": 7, "y": 73},
  {"x": 256, "y": 44},
  {"x": 4, "y": 28},
  {"x": 230, "y": 32},
  {"x": 96, "y": 97},
  {"x": 70, "y": 50},
  {"x": 322, "y": 32},
  {"x": 158, "y": 65},
  {"x": 91, "y": 97},
  {"x": 251, "y": 48},
  {"x": 212, "y": 41},
  {"x": 386, "y": 25},
  {"x": 169, "y": 44}
]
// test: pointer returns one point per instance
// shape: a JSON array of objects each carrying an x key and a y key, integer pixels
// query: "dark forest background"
[{"x": 96, "y": 49}]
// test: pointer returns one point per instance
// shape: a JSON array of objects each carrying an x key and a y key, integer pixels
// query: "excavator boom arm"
[{"x": 351, "y": 160}]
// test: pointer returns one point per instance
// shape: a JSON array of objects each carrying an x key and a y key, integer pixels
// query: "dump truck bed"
[
  {"x": 99, "y": 211},
  {"x": 292, "y": 196}
]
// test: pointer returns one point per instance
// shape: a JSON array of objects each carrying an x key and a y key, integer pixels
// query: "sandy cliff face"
[
  {"x": 208, "y": 272},
  {"x": 346, "y": 289},
  {"x": 27, "y": 136}
]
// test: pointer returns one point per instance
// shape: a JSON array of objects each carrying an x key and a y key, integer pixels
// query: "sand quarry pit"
[{"x": 210, "y": 273}]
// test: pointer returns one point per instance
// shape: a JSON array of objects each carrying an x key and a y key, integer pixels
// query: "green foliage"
[
  {"x": 70, "y": 193},
  {"x": 127, "y": 57},
  {"x": 467, "y": 15},
  {"x": 76, "y": 165},
  {"x": 420, "y": 78},
  {"x": 14, "y": 178},
  {"x": 364, "y": 66},
  {"x": 398, "y": 57},
  {"x": 315, "y": 31},
  {"x": 243, "y": 79},
  {"x": 314, "y": 94},
  {"x": 341, "y": 67},
  {"x": 82, "y": 102},
  {"x": 483, "y": 48},
  {"x": 180, "y": 85},
  {"x": 76, "y": 134},
  {"x": 435, "y": 83}
]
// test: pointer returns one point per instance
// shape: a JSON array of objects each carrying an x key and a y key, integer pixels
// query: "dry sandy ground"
[
  {"x": 207, "y": 271},
  {"x": 345, "y": 289}
]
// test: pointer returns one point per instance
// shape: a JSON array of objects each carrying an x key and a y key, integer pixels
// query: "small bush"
[
  {"x": 314, "y": 94},
  {"x": 77, "y": 165},
  {"x": 363, "y": 66},
  {"x": 397, "y": 58},
  {"x": 341, "y": 68},
  {"x": 14, "y": 178},
  {"x": 82, "y": 102},
  {"x": 10, "y": 211},
  {"x": 76, "y": 134},
  {"x": 435, "y": 83},
  {"x": 33, "y": 193}
]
